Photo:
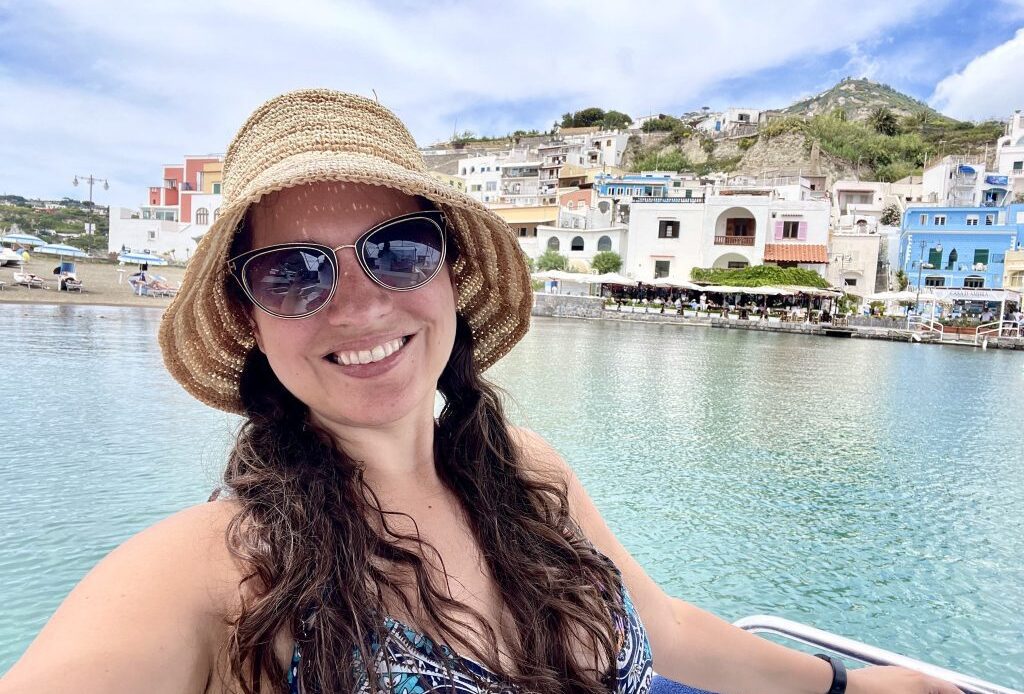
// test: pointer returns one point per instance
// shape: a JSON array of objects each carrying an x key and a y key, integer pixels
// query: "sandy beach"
[{"x": 102, "y": 283}]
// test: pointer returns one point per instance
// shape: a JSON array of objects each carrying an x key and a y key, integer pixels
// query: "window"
[
  {"x": 216, "y": 188},
  {"x": 660, "y": 269},
  {"x": 791, "y": 230},
  {"x": 463, "y": 170},
  {"x": 974, "y": 282},
  {"x": 553, "y": 243},
  {"x": 151, "y": 235},
  {"x": 980, "y": 258},
  {"x": 668, "y": 229},
  {"x": 990, "y": 219},
  {"x": 924, "y": 219},
  {"x": 940, "y": 220},
  {"x": 934, "y": 281},
  {"x": 998, "y": 259},
  {"x": 170, "y": 183},
  {"x": 491, "y": 186},
  {"x": 972, "y": 220},
  {"x": 934, "y": 257},
  {"x": 849, "y": 282},
  {"x": 522, "y": 231},
  {"x": 737, "y": 264},
  {"x": 952, "y": 260},
  {"x": 577, "y": 243},
  {"x": 1018, "y": 166},
  {"x": 202, "y": 216},
  {"x": 475, "y": 188},
  {"x": 604, "y": 244}
]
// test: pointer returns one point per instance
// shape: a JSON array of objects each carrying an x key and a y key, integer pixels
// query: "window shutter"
[
  {"x": 801, "y": 233},
  {"x": 778, "y": 230}
]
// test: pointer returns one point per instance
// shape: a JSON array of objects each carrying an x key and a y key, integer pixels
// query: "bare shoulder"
[
  {"x": 158, "y": 601},
  {"x": 539, "y": 458}
]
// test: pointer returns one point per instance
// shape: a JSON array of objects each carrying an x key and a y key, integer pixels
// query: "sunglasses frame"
[{"x": 238, "y": 264}]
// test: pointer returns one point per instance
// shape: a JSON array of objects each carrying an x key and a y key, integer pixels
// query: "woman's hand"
[{"x": 895, "y": 680}]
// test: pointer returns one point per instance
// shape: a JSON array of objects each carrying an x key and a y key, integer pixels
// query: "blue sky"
[{"x": 117, "y": 88}]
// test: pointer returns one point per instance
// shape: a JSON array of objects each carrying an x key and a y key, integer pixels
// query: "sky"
[{"x": 119, "y": 88}]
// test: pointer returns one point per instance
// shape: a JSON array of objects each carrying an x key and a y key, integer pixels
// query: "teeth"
[{"x": 369, "y": 356}]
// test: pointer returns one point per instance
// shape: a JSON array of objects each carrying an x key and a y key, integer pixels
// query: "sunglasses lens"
[
  {"x": 290, "y": 281},
  {"x": 405, "y": 254}
]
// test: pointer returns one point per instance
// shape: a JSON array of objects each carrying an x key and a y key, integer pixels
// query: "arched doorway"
[{"x": 735, "y": 226}]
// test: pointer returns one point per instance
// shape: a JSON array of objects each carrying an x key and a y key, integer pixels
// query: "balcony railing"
[
  {"x": 645, "y": 198},
  {"x": 734, "y": 240}
]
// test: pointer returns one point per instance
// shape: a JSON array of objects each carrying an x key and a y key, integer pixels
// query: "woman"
[{"x": 362, "y": 544}]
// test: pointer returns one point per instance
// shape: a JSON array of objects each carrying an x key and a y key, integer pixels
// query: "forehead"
[{"x": 330, "y": 212}]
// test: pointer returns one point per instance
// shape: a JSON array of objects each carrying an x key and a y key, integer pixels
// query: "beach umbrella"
[
  {"x": 61, "y": 249},
  {"x": 22, "y": 239},
  {"x": 675, "y": 284},
  {"x": 613, "y": 278},
  {"x": 141, "y": 259}
]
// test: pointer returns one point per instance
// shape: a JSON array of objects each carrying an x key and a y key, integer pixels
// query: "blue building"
[
  {"x": 959, "y": 247},
  {"x": 647, "y": 185}
]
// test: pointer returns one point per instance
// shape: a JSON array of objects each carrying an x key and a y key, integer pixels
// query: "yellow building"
[
  {"x": 525, "y": 220},
  {"x": 1013, "y": 273},
  {"x": 211, "y": 177},
  {"x": 452, "y": 180}
]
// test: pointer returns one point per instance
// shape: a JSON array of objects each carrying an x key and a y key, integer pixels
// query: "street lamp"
[{"x": 91, "y": 180}]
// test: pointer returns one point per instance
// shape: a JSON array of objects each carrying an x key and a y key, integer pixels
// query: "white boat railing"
[
  {"x": 862, "y": 652},
  {"x": 925, "y": 325}
]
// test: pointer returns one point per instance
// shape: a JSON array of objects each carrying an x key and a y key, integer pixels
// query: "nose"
[{"x": 357, "y": 300}]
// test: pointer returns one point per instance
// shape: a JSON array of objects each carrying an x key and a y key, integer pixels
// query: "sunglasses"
[{"x": 295, "y": 280}]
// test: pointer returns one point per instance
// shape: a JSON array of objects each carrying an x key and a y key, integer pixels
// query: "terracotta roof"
[{"x": 795, "y": 252}]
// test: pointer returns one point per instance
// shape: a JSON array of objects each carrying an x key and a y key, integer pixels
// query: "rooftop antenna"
[{"x": 375, "y": 98}]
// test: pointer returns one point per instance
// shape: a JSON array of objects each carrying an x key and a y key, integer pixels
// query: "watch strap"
[{"x": 838, "y": 673}]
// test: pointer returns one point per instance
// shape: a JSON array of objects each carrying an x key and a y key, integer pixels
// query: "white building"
[
  {"x": 854, "y": 263},
  {"x": 857, "y": 206},
  {"x": 728, "y": 229},
  {"x": 729, "y": 120},
  {"x": 482, "y": 176},
  {"x": 130, "y": 232},
  {"x": 579, "y": 245},
  {"x": 1010, "y": 156},
  {"x": 954, "y": 181}
]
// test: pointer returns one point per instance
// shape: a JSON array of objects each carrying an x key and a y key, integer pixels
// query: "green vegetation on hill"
[
  {"x": 857, "y": 98},
  {"x": 759, "y": 276},
  {"x": 888, "y": 148},
  {"x": 674, "y": 160},
  {"x": 49, "y": 224},
  {"x": 592, "y": 116}
]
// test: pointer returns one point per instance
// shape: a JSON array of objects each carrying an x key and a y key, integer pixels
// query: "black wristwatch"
[{"x": 838, "y": 673}]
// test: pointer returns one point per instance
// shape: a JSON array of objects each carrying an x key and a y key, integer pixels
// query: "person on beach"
[{"x": 362, "y": 543}]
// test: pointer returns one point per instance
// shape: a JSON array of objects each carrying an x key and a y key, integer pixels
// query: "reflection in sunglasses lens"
[
  {"x": 406, "y": 254},
  {"x": 290, "y": 281}
]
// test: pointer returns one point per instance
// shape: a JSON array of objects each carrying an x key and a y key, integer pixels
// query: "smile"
[{"x": 368, "y": 356}]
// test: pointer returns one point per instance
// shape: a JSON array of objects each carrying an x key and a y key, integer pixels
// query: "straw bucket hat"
[{"x": 321, "y": 135}]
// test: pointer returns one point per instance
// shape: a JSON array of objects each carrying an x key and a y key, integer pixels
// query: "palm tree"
[{"x": 884, "y": 121}]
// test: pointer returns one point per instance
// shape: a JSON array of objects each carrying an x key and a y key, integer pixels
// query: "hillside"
[
  {"x": 857, "y": 98},
  {"x": 58, "y": 224}
]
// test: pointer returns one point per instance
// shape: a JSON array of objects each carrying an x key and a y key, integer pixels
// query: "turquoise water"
[{"x": 873, "y": 489}]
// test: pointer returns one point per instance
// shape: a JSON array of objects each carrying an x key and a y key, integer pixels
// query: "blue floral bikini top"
[{"x": 417, "y": 665}]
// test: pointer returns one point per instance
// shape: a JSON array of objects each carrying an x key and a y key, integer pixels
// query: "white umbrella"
[
  {"x": 141, "y": 259},
  {"x": 677, "y": 284},
  {"x": 561, "y": 276},
  {"x": 613, "y": 278},
  {"x": 905, "y": 295}
]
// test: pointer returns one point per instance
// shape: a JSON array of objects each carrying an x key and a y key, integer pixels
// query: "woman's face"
[{"x": 305, "y": 353}]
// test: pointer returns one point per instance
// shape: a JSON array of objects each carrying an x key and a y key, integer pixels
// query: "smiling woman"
[{"x": 360, "y": 544}]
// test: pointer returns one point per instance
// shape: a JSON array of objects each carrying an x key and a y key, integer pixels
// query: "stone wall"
[{"x": 565, "y": 306}]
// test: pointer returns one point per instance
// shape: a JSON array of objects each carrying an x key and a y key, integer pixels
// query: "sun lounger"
[
  {"x": 29, "y": 280},
  {"x": 72, "y": 285}
]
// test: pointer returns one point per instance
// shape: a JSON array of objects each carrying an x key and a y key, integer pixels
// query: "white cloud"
[
  {"x": 119, "y": 87},
  {"x": 990, "y": 86}
]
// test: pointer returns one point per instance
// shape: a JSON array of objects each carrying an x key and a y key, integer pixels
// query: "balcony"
[
  {"x": 680, "y": 200},
  {"x": 734, "y": 240}
]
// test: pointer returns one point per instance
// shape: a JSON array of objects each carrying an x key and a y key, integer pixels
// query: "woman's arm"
[
  {"x": 145, "y": 619},
  {"x": 694, "y": 647}
]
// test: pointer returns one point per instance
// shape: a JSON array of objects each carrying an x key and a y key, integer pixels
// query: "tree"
[
  {"x": 615, "y": 120},
  {"x": 606, "y": 261},
  {"x": 902, "y": 281},
  {"x": 662, "y": 123},
  {"x": 891, "y": 215},
  {"x": 584, "y": 118},
  {"x": 552, "y": 260},
  {"x": 884, "y": 121}
]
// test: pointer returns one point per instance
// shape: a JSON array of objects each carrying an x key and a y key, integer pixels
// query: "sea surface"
[{"x": 872, "y": 489}]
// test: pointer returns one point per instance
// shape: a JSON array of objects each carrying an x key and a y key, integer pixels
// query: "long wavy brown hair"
[{"x": 323, "y": 559}]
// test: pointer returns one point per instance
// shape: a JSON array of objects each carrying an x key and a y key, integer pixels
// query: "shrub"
[
  {"x": 606, "y": 261},
  {"x": 552, "y": 260}
]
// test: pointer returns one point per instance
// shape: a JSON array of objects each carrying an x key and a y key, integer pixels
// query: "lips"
[{"x": 370, "y": 355}]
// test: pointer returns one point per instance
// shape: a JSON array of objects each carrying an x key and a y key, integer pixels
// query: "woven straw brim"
[{"x": 205, "y": 336}]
